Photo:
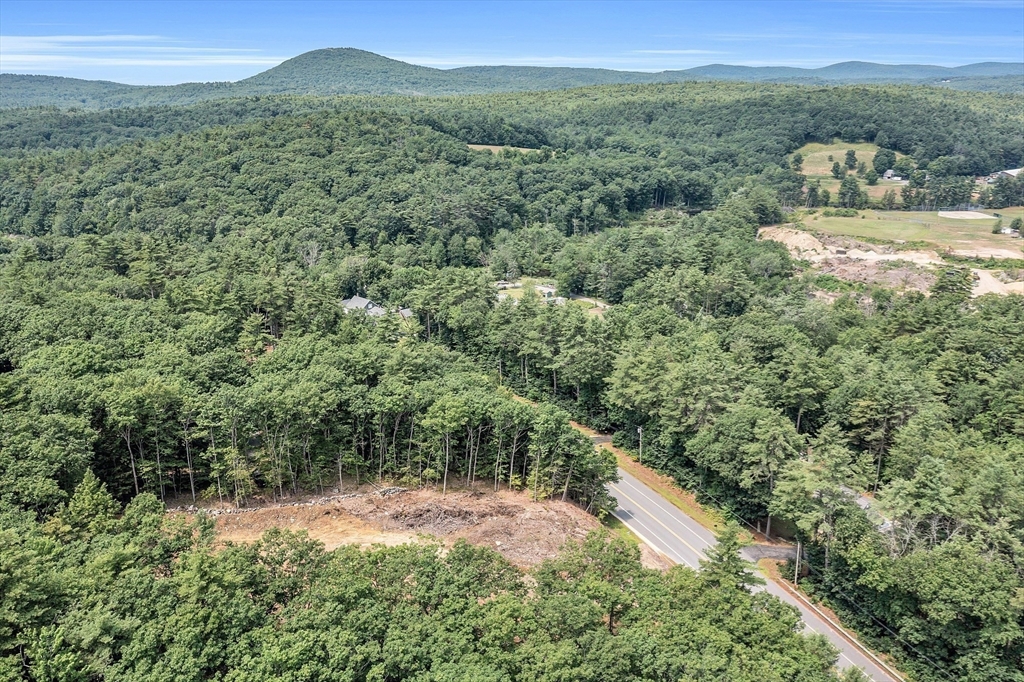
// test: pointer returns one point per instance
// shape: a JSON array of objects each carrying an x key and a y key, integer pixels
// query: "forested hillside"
[
  {"x": 171, "y": 281},
  {"x": 336, "y": 71},
  {"x": 101, "y": 594}
]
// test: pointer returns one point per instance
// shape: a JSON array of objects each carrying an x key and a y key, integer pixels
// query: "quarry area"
[{"x": 853, "y": 260}]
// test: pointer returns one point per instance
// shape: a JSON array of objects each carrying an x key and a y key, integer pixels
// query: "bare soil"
[
  {"x": 524, "y": 531},
  {"x": 988, "y": 283},
  {"x": 892, "y": 274},
  {"x": 852, "y": 260},
  {"x": 855, "y": 261}
]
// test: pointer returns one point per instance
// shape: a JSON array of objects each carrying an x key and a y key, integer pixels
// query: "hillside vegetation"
[
  {"x": 335, "y": 71},
  {"x": 173, "y": 330}
]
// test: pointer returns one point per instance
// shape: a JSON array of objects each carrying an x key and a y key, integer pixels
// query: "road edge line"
[
  {"x": 647, "y": 542},
  {"x": 847, "y": 635}
]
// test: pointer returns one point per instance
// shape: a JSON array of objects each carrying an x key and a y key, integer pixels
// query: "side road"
[{"x": 682, "y": 540}]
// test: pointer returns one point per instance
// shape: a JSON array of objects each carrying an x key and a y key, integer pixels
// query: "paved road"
[{"x": 682, "y": 540}]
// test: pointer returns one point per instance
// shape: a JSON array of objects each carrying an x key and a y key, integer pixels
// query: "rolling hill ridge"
[{"x": 338, "y": 71}]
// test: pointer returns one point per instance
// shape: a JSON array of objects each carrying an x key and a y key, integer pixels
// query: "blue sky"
[{"x": 155, "y": 42}]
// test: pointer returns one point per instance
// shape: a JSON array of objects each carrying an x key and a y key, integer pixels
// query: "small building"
[
  {"x": 358, "y": 303},
  {"x": 364, "y": 304},
  {"x": 1009, "y": 173},
  {"x": 891, "y": 175},
  {"x": 545, "y": 291}
]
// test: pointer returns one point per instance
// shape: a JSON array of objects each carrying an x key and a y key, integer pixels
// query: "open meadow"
[
  {"x": 816, "y": 165},
  {"x": 965, "y": 237}
]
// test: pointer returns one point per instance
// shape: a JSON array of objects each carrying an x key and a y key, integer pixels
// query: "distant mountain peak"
[{"x": 349, "y": 70}]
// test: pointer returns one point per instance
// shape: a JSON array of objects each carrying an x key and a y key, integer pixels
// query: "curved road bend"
[{"x": 682, "y": 540}]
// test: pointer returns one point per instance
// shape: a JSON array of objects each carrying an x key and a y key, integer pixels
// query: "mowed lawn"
[
  {"x": 921, "y": 227},
  {"x": 816, "y": 165},
  {"x": 528, "y": 285}
]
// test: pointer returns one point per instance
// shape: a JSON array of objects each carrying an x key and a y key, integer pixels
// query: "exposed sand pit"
[
  {"x": 892, "y": 274},
  {"x": 917, "y": 257},
  {"x": 852, "y": 260},
  {"x": 964, "y": 215},
  {"x": 800, "y": 244}
]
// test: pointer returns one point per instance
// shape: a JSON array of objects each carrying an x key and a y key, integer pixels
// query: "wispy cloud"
[
  {"x": 874, "y": 38},
  {"x": 66, "y": 52},
  {"x": 678, "y": 52}
]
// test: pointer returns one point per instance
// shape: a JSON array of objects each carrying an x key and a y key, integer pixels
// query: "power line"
[
  {"x": 849, "y": 599},
  {"x": 896, "y": 635}
]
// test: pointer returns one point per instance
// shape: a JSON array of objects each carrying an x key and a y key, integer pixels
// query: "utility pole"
[
  {"x": 796, "y": 573},
  {"x": 640, "y": 430}
]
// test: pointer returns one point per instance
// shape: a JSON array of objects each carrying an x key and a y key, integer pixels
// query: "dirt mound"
[
  {"x": 888, "y": 273},
  {"x": 447, "y": 517},
  {"x": 802, "y": 245}
]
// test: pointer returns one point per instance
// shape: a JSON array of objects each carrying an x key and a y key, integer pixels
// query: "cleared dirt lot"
[
  {"x": 852, "y": 260},
  {"x": 524, "y": 531}
]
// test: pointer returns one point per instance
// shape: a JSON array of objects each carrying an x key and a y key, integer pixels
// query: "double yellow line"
[{"x": 658, "y": 521}]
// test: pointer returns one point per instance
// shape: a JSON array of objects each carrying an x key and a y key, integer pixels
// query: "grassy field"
[
  {"x": 1008, "y": 214},
  {"x": 529, "y": 283},
  {"x": 816, "y": 165},
  {"x": 941, "y": 233}
]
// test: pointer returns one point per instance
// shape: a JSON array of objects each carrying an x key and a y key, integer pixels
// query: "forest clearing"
[
  {"x": 522, "y": 530},
  {"x": 903, "y": 249},
  {"x": 497, "y": 148},
  {"x": 930, "y": 229},
  {"x": 817, "y": 160}
]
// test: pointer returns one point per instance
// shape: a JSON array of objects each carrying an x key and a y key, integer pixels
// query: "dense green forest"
[
  {"x": 690, "y": 126},
  {"x": 100, "y": 594},
  {"x": 171, "y": 281},
  {"x": 337, "y": 71}
]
